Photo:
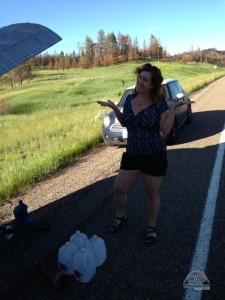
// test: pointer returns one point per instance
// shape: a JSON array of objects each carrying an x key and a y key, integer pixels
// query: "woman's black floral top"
[{"x": 143, "y": 129}]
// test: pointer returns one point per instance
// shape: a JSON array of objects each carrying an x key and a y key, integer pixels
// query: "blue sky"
[{"x": 179, "y": 25}]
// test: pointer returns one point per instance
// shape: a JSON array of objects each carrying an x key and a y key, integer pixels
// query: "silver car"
[{"x": 115, "y": 134}]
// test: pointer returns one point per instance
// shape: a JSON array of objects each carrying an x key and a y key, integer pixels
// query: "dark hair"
[{"x": 157, "y": 80}]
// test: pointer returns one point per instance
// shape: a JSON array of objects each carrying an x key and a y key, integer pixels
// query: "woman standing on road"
[{"x": 145, "y": 115}]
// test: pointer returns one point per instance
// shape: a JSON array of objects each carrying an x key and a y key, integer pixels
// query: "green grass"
[
  {"x": 47, "y": 123},
  {"x": 35, "y": 145}
]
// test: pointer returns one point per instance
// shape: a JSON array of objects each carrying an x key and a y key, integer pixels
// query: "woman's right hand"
[
  {"x": 108, "y": 103},
  {"x": 114, "y": 107}
]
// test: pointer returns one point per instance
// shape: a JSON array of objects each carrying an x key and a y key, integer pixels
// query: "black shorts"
[{"x": 153, "y": 164}]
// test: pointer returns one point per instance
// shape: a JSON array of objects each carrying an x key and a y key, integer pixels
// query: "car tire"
[
  {"x": 189, "y": 116},
  {"x": 172, "y": 136}
]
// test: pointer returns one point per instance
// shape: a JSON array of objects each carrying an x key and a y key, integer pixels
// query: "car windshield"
[
  {"x": 130, "y": 91},
  {"x": 165, "y": 92},
  {"x": 124, "y": 97}
]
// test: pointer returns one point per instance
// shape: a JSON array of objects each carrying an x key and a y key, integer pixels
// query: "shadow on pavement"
[{"x": 132, "y": 270}]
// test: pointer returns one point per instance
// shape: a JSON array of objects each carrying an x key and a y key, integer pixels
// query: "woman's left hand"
[{"x": 179, "y": 103}]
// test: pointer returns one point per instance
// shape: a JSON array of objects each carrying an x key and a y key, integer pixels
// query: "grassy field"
[{"x": 47, "y": 123}]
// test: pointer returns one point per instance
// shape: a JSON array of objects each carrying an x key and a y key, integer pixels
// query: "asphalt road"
[{"x": 133, "y": 270}]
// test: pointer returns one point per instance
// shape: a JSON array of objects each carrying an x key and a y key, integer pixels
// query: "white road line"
[{"x": 200, "y": 258}]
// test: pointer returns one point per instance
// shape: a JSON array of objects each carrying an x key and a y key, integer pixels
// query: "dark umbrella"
[{"x": 20, "y": 42}]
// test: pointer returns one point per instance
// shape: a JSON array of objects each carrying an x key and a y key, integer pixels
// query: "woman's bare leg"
[
  {"x": 124, "y": 181},
  {"x": 152, "y": 184}
]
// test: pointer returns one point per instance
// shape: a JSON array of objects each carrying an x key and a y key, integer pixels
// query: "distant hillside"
[{"x": 213, "y": 50}]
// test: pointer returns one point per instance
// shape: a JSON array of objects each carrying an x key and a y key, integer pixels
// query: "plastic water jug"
[
  {"x": 21, "y": 214},
  {"x": 84, "y": 265},
  {"x": 97, "y": 246},
  {"x": 65, "y": 258},
  {"x": 8, "y": 236},
  {"x": 79, "y": 239}
]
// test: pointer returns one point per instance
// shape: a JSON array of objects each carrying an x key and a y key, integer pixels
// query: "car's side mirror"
[{"x": 179, "y": 96}]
